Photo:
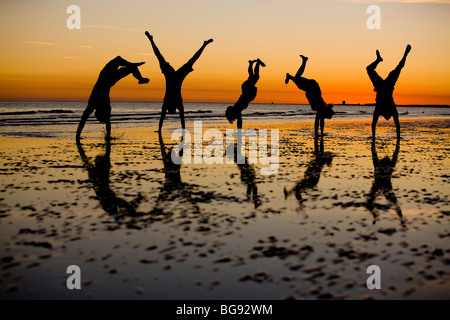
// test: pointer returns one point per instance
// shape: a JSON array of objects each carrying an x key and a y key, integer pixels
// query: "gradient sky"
[{"x": 41, "y": 59}]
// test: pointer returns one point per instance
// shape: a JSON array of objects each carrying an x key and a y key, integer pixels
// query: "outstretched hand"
[
  {"x": 148, "y": 35},
  {"x": 208, "y": 41}
]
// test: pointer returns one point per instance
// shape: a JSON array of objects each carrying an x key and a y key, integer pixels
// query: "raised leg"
[
  {"x": 158, "y": 54},
  {"x": 250, "y": 68},
  {"x": 302, "y": 67},
  {"x": 137, "y": 74},
  {"x": 133, "y": 69},
  {"x": 402, "y": 62},
  {"x": 259, "y": 64},
  {"x": 373, "y": 75},
  {"x": 199, "y": 52},
  {"x": 394, "y": 74},
  {"x": 288, "y": 77},
  {"x": 253, "y": 74}
]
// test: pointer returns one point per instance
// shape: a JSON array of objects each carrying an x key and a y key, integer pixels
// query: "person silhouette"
[
  {"x": 248, "y": 93},
  {"x": 384, "y": 102},
  {"x": 174, "y": 80},
  {"x": 99, "y": 100},
  {"x": 313, "y": 171},
  {"x": 382, "y": 183},
  {"x": 314, "y": 96},
  {"x": 99, "y": 175}
]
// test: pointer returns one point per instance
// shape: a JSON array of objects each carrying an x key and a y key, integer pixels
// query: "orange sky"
[{"x": 43, "y": 60}]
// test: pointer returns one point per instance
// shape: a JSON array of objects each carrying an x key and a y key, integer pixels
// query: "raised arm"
[{"x": 155, "y": 48}]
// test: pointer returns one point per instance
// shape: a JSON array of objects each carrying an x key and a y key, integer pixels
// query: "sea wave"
[{"x": 56, "y": 111}]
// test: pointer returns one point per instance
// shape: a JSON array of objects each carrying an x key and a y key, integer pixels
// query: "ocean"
[{"x": 60, "y": 119}]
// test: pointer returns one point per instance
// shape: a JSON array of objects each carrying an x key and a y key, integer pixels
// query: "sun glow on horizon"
[{"x": 43, "y": 60}]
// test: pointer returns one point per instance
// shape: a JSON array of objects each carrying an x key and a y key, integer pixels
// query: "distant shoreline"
[
  {"x": 404, "y": 105},
  {"x": 268, "y": 103}
]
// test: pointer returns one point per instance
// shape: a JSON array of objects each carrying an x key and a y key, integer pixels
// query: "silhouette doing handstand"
[
  {"x": 385, "y": 104},
  {"x": 174, "y": 80},
  {"x": 248, "y": 93},
  {"x": 99, "y": 100},
  {"x": 314, "y": 96}
]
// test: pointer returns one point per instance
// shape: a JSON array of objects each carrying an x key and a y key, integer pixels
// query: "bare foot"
[
  {"x": 379, "y": 58},
  {"x": 287, "y": 78},
  {"x": 304, "y": 58},
  {"x": 408, "y": 49},
  {"x": 261, "y": 63}
]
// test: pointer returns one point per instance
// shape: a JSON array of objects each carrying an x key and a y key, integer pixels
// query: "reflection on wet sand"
[
  {"x": 382, "y": 183},
  {"x": 248, "y": 177},
  {"x": 53, "y": 214},
  {"x": 248, "y": 173},
  {"x": 99, "y": 175},
  {"x": 173, "y": 187},
  {"x": 312, "y": 174}
]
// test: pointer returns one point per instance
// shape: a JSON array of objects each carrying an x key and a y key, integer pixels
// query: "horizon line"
[{"x": 369, "y": 104}]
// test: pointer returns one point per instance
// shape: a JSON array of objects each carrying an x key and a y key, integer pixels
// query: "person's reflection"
[
  {"x": 313, "y": 171},
  {"x": 99, "y": 175},
  {"x": 248, "y": 177},
  {"x": 248, "y": 174},
  {"x": 173, "y": 186},
  {"x": 382, "y": 184}
]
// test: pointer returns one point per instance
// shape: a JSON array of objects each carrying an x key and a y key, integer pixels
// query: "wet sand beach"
[{"x": 140, "y": 227}]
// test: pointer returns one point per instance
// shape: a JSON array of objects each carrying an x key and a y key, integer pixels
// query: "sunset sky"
[{"x": 41, "y": 59}]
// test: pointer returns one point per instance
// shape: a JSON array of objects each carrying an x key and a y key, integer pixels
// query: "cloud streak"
[{"x": 41, "y": 43}]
